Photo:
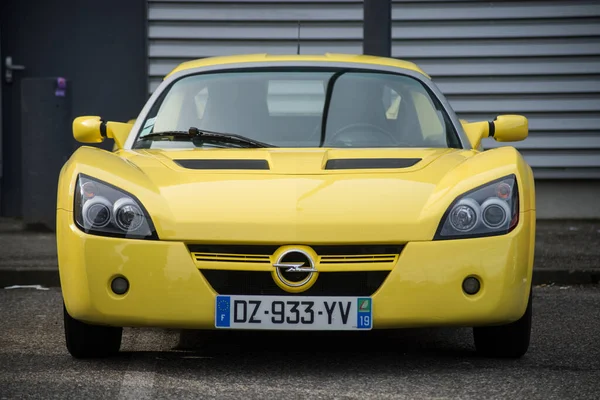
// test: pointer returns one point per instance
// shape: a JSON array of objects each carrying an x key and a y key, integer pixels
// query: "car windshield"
[{"x": 314, "y": 108}]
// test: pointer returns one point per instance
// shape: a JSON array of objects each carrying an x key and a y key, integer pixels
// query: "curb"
[
  {"x": 566, "y": 276},
  {"x": 44, "y": 277},
  {"x": 50, "y": 278}
]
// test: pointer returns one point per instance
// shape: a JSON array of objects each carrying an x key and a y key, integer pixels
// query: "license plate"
[{"x": 293, "y": 313}]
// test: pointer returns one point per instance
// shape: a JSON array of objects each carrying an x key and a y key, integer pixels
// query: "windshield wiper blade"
[
  {"x": 204, "y": 135},
  {"x": 158, "y": 135},
  {"x": 198, "y": 135}
]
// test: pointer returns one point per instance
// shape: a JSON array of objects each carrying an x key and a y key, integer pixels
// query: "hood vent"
[
  {"x": 371, "y": 163},
  {"x": 223, "y": 164}
]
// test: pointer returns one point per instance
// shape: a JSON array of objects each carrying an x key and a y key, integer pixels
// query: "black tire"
[
  {"x": 505, "y": 341},
  {"x": 90, "y": 341}
]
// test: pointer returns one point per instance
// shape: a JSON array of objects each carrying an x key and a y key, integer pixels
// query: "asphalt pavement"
[{"x": 563, "y": 361}]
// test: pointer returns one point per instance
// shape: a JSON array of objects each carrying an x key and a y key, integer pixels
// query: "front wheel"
[
  {"x": 87, "y": 341},
  {"x": 505, "y": 341}
]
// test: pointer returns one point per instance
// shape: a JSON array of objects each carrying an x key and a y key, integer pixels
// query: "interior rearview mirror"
[
  {"x": 92, "y": 129},
  {"x": 504, "y": 128}
]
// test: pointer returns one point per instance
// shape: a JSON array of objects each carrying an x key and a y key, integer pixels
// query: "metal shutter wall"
[
  {"x": 537, "y": 58},
  {"x": 183, "y": 30}
]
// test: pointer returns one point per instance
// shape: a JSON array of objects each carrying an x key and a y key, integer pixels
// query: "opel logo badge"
[{"x": 295, "y": 268}]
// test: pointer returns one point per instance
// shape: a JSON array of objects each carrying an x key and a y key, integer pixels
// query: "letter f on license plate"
[{"x": 293, "y": 313}]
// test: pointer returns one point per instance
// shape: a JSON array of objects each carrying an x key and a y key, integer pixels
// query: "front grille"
[
  {"x": 356, "y": 283},
  {"x": 369, "y": 249},
  {"x": 233, "y": 249},
  {"x": 224, "y": 257},
  {"x": 322, "y": 250},
  {"x": 357, "y": 259}
]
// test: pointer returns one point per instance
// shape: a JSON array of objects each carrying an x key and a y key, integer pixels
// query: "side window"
[{"x": 391, "y": 102}]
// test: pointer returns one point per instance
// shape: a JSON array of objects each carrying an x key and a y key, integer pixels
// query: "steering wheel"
[{"x": 359, "y": 128}]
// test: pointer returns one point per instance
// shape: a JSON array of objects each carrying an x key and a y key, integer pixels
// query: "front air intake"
[
  {"x": 371, "y": 163},
  {"x": 356, "y": 283},
  {"x": 224, "y": 164}
]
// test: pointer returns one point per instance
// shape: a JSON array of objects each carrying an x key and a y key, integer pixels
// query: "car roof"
[{"x": 327, "y": 57}]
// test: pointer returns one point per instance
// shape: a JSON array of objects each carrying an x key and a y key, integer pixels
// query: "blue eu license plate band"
[
  {"x": 293, "y": 312},
  {"x": 223, "y": 312},
  {"x": 364, "y": 319}
]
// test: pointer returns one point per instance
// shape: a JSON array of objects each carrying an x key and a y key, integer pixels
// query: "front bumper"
[{"x": 422, "y": 289}]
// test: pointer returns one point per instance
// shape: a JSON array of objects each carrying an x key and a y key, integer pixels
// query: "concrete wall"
[{"x": 568, "y": 199}]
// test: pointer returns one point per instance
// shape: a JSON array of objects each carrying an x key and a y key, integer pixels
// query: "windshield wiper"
[{"x": 204, "y": 136}]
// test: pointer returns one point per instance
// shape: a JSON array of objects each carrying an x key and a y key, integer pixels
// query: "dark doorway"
[
  {"x": 31, "y": 32},
  {"x": 99, "y": 46}
]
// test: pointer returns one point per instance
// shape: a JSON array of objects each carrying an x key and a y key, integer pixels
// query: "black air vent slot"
[
  {"x": 233, "y": 248},
  {"x": 223, "y": 164},
  {"x": 322, "y": 250},
  {"x": 358, "y": 283},
  {"x": 368, "y": 163}
]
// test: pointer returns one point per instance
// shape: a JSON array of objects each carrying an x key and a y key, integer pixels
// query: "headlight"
[
  {"x": 102, "y": 209},
  {"x": 491, "y": 209}
]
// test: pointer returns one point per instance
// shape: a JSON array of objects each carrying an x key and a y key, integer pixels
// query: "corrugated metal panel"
[
  {"x": 538, "y": 58},
  {"x": 182, "y": 30}
]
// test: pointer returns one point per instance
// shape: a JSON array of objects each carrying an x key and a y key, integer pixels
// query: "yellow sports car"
[{"x": 333, "y": 192}]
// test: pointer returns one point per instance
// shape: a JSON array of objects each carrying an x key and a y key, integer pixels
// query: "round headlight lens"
[
  {"x": 465, "y": 215},
  {"x": 128, "y": 215},
  {"x": 495, "y": 213},
  {"x": 96, "y": 212}
]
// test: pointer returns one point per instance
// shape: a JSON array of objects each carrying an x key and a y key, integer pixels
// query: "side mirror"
[
  {"x": 91, "y": 129},
  {"x": 504, "y": 128},
  {"x": 87, "y": 129},
  {"x": 510, "y": 128}
]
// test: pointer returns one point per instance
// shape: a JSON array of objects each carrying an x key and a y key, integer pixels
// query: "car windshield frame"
[{"x": 454, "y": 135}]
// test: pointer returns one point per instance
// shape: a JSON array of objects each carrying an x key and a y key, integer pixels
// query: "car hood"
[{"x": 295, "y": 195}]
